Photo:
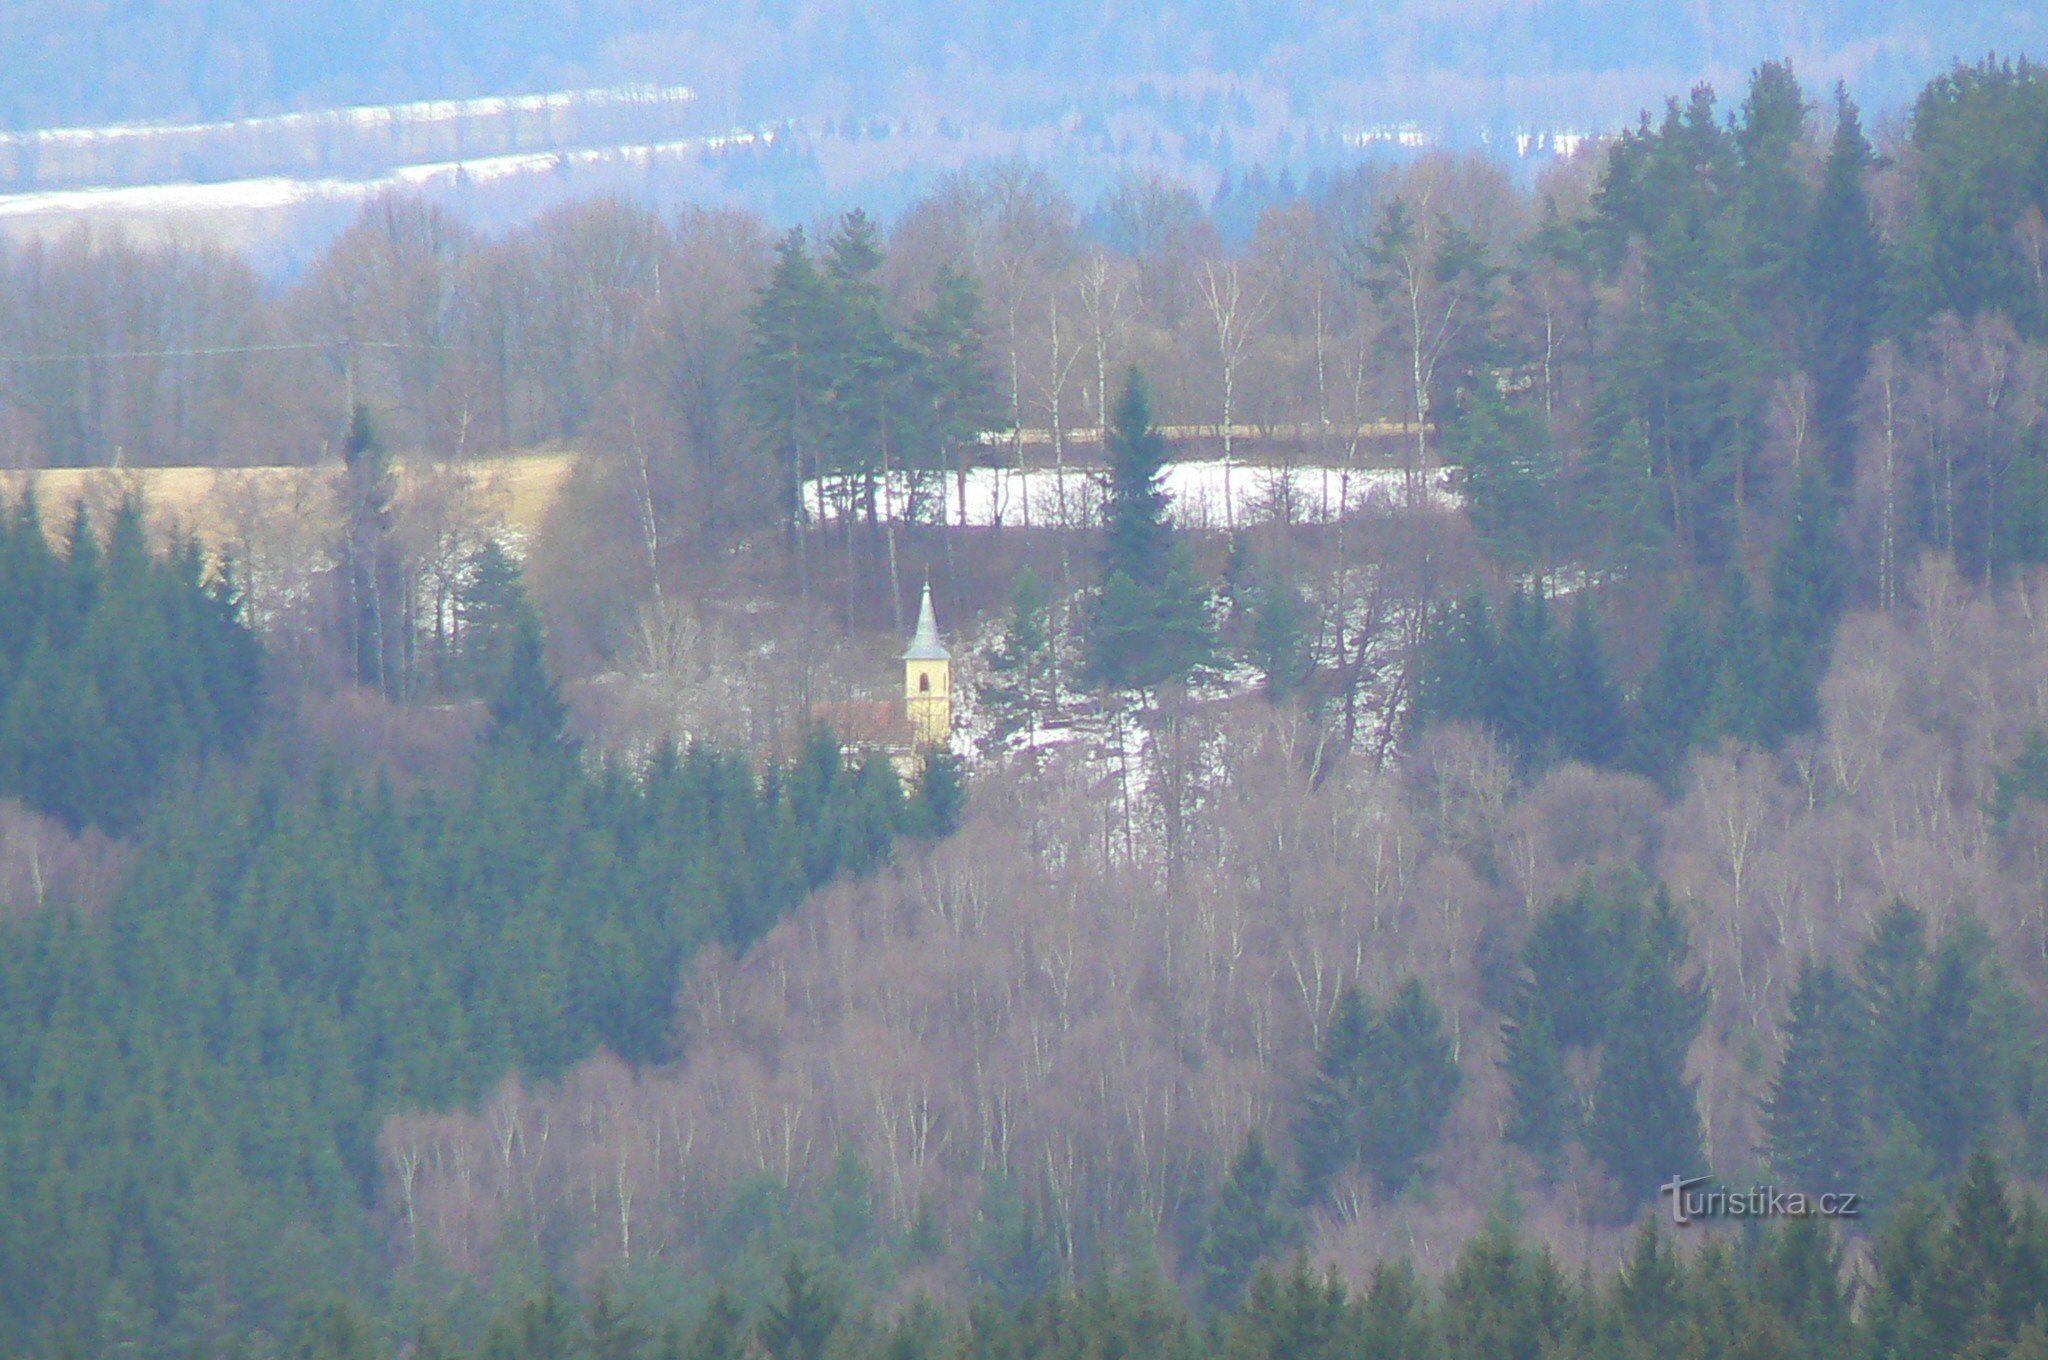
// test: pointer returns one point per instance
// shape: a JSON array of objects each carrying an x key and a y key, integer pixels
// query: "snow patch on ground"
[
  {"x": 417, "y": 113},
  {"x": 1204, "y": 494},
  {"x": 271, "y": 192}
]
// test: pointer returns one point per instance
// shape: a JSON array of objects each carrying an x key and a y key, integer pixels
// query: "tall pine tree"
[
  {"x": 1150, "y": 622},
  {"x": 1844, "y": 278},
  {"x": 1817, "y": 1116},
  {"x": 1644, "y": 1124},
  {"x": 1247, "y": 1223}
]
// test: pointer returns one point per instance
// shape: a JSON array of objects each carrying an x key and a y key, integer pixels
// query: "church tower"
[{"x": 928, "y": 680}]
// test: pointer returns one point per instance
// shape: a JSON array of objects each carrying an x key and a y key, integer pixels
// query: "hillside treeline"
[
  {"x": 1634, "y": 361},
  {"x": 1962, "y": 1277}
]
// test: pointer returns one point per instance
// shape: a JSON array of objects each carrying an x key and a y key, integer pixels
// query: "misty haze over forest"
[{"x": 838, "y": 102}]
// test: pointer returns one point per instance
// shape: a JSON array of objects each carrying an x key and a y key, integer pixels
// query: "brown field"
[{"x": 515, "y": 490}]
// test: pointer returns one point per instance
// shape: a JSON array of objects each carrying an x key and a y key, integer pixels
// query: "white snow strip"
[
  {"x": 1203, "y": 493},
  {"x": 419, "y": 111},
  {"x": 284, "y": 191}
]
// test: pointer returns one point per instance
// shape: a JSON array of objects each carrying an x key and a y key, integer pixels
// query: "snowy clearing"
[
  {"x": 1204, "y": 494},
  {"x": 416, "y": 113},
  {"x": 287, "y": 191}
]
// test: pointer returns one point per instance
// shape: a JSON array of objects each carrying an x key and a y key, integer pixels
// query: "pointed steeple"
[{"x": 925, "y": 645}]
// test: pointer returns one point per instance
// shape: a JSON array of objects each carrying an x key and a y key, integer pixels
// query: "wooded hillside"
[{"x": 1634, "y": 766}]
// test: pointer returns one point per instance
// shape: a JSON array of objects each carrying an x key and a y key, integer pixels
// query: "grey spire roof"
[{"x": 926, "y": 645}]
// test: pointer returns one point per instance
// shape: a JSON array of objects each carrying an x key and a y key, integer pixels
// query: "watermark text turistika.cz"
[{"x": 1690, "y": 1201}]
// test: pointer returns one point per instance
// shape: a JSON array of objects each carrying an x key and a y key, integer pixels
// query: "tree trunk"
[{"x": 889, "y": 531}]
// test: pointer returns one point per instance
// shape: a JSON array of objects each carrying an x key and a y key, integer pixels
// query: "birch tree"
[{"x": 1237, "y": 308}]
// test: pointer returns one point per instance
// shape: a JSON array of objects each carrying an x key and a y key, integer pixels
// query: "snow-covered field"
[
  {"x": 419, "y": 114},
  {"x": 245, "y": 179},
  {"x": 268, "y": 192},
  {"x": 1204, "y": 494}
]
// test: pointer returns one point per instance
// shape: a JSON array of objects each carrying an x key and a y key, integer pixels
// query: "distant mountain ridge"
[
  {"x": 257, "y": 123},
  {"x": 1555, "y": 62}
]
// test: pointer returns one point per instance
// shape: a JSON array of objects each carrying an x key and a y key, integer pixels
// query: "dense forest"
[
  {"x": 1969, "y": 1269},
  {"x": 1598, "y": 734},
  {"x": 196, "y": 1065}
]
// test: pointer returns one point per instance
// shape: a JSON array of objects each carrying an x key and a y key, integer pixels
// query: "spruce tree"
[
  {"x": 79, "y": 591},
  {"x": 868, "y": 365},
  {"x": 1383, "y": 1085},
  {"x": 526, "y": 707},
  {"x": 1577, "y": 958},
  {"x": 1809, "y": 589},
  {"x": 1412, "y": 1079},
  {"x": 1009, "y": 1252},
  {"x": 1592, "y": 722},
  {"x": 941, "y": 797},
  {"x": 1149, "y": 624},
  {"x": 1137, "y": 540},
  {"x": 1671, "y": 709},
  {"x": 1279, "y": 639},
  {"x": 1799, "y": 1275},
  {"x": 1459, "y": 671},
  {"x": 1511, "y": 479},
  {"x": 2025, "y": 776},
  {"x": 1644, "y": 1124},
  {"x": 802, "y": 1321},
  {"x": 29, "y": 585},
  {"x": 1324, "y": 1129},
  {"x": 1617, "y": 503},
  {"x": 610, "y": 1331},
  {"x": 1980, "y": 1239},
  {"x": 1247, "y": 1223},
  {"x": 1544, "y": 1119},
  {"x": 1952, "y": 1092},
  {"x": 1741, "y": 700},
  {"x": 1692, "y": 364},
  {"x": 1817, "y": 1117},
  {"x": 490, "y": 600},
  {"x": 373, "y": 622},
  {"x": 1773, "y": 202},
  {"x": 1527, "y": 688},
  {"x": 1651, "y": 1292},
  {"x": 1021, "y": 666},
  {"x": 847, "y": 1203},
  {"x": 1976, "y": 136},
  {"x": 1845, "y": 287},
  {"x": 955, "y": 390},
  {"x": 1396, "y": 1317},
  {"x": 719, "y": 1333},
  {"x": 1892, "y": 986},
  {"x": 787, "y": 371}
]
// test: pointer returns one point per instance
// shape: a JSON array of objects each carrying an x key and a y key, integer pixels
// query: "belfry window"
[{"x": 924, "y": 682}]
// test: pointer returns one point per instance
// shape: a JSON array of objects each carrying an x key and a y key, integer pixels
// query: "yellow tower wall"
[{"x": 928, "y": 700}]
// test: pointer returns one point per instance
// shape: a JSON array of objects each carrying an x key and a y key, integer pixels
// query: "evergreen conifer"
[
  {"x": 1644, "y": 1124},
  {"x": 1844, "y": 282},
  {"x": 1671, "y": 710},
  {"x": 1591, "y": 718},
  {"x": 1246, "y": 1224},
  {"x": 1817, "y": 1115},
  {"x": 1149, "y": 625}
]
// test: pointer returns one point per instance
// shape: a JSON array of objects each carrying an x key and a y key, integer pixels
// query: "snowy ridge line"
[
  {"x": 286, "y": 191},
  {"x": 424, "y": 111}
]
